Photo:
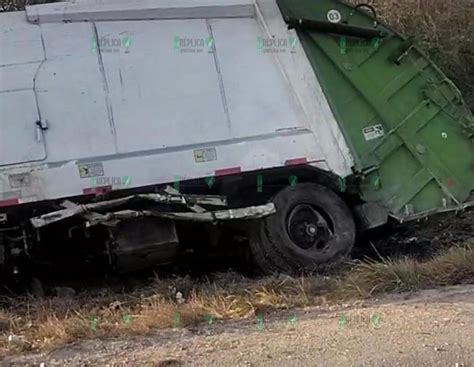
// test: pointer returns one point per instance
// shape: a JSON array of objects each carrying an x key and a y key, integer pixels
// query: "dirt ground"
[{"x": 430, "y": 328}]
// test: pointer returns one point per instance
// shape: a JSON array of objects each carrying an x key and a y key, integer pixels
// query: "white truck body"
[{"x": 154, "y": 92}]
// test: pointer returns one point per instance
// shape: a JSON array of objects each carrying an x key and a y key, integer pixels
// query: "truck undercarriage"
[{"x": 130, "y": 231}]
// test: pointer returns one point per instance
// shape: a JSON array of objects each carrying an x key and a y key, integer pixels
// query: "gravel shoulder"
[{"x": 430, "y": 328}]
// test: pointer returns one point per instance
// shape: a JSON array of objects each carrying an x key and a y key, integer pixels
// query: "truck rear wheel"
[{"x": 311, "y": 228}]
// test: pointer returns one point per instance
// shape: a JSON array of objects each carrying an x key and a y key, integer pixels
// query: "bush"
[{"x": 15, "y": 5}]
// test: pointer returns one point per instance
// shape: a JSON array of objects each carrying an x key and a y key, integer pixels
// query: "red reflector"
[
  {"x": 296, "y": 161},
  {"x": 99, "y": 190},
  {"x": 228, "y": 171},
  {"x": 9, "y": 202}
]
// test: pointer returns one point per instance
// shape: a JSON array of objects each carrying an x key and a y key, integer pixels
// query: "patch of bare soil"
[
  {"x": 430, "y": 328},
  {"x": 419, "y": 240}
]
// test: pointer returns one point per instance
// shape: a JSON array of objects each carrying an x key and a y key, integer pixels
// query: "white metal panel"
[
  {"x": 19, "y": 139},
  {"x": 258, "y": 98},
  {"x": 162, "y": 97},
  {"x": 249, "y": 155},
  {"x": 71, "y": 95},
  {"x": 304, "y": 82},
  {"x": 19, "y": 41},
  {"x": 18, "y": 76},
  {"x": 162, "y": 105},
  {"x": 97, "y": 10},
  {"x": 58, "y": 181}
]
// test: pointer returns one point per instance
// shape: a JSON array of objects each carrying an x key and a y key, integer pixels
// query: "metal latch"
[
  {"x": 403, "y": 51},
  {"x": 40, "y": 126},
  {"x": 335, "y": 28}
]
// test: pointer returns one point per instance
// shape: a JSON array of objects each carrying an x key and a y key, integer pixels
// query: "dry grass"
[
  {"x": 454, "y": 266},
  {"x": 48, "y": 323}
]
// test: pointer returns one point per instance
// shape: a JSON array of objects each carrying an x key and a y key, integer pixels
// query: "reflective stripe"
[
  {"x": 296, "y": 161},
  {"x": 99, "y": 190},
  {"x": 228, "y": 171},
  {"x": 9, "y": 202}
]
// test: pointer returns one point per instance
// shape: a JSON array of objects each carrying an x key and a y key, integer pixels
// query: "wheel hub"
[
  {"x": 307, "y": 228},
  {"x": 311, "y": 229}
]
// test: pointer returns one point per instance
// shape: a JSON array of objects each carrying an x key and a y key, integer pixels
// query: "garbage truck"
[{"x": 129, "y": 128}]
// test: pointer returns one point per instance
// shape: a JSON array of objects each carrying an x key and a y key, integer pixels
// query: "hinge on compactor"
[{"x": 42, "y": 124}]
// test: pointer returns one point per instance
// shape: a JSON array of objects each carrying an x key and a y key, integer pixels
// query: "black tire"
[{"x": 312, "y": 228}]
